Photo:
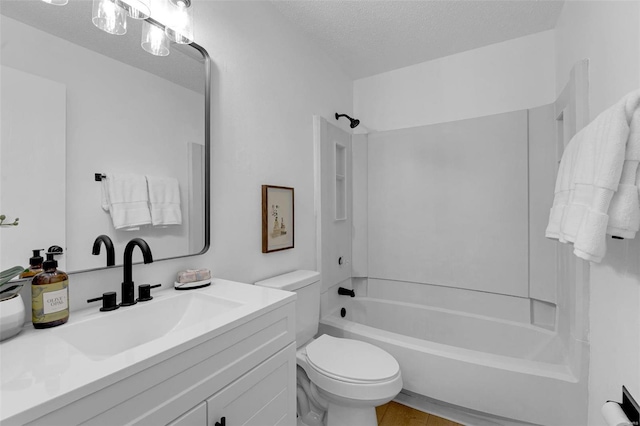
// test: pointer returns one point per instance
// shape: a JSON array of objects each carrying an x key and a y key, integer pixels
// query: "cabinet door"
[
  {"x": 197, "y": 416},
  {"x": 265, "y": 396}
]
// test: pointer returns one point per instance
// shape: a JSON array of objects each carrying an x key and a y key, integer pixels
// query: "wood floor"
[{"x": 394, "y": 414}]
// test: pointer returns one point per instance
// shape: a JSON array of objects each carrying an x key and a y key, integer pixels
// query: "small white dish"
[{"x": 192, "y": 285}]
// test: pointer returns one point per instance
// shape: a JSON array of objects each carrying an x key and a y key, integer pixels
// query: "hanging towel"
[
  {"x": 589, "y": 176},
  {"x": 624, "y": 212},
  {"x": 164, "y": 197},
  {"x": 125, "y": 197}
]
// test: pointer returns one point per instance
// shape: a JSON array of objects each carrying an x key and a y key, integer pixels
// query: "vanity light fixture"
[
  {"x": 109, "y": 17},
  {"x": 56, "y": 2},
  {"x": 154, "y": 40},
  {"x": 179, "y": 26}
]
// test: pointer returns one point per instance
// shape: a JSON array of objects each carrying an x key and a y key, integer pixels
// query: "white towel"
[
  {"x": 589, "y": 175},
  {"x": 126, "y": 198},
  {"x": 624, "y": 212},
  {"x": 164, "y": 197}
]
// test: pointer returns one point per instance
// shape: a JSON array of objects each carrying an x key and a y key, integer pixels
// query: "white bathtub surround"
[
  {"x": 494, "y": 305},
  {"x": 589, "y": 175},
  {"x": 531, "y": 374}
]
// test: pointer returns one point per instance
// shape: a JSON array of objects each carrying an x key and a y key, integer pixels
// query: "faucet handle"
[
  {"x": 144, "y": 292},
  {"x": 108, "y": 301}
]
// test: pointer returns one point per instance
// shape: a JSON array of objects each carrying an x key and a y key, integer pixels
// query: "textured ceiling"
[{"x": 369, "y": 37}]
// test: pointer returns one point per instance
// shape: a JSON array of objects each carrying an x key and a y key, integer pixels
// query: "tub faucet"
[
  {"x": 108, "y": 244},
  {"x": 128, "y": 290},
  {"x": 346, "y": 292}
]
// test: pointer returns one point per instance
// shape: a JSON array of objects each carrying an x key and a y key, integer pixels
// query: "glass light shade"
[
  {"x": 109, "y": 17},
  {"x": 56, "y": 2},
  {"x": 137, "y": 9},
  {"x": 179, "y": 27},
  {"x": 154, "y": 40}
]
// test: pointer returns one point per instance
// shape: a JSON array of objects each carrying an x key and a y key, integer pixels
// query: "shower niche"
[{"x": 341, "y": 181}]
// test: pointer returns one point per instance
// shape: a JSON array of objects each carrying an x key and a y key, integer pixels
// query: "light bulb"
[
  {"x": 109, "y": 17},
  {"x": 154, "y": 40},
  {"x": 180, "y": 26}
]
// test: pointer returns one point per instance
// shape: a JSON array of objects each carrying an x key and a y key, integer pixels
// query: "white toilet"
[{"x": 340, "y": 381}]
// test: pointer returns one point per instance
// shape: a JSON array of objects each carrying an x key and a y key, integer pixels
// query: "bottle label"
[
  {"x": 55, "y": 301},
  {"x": 50, "y": 302}
]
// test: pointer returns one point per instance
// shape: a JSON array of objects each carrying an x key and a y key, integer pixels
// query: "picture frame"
[{"x": 278, "y": 223}]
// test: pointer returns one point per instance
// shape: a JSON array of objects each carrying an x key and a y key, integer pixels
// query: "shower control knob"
[
  {"x": 340, "y": 261},
  {"x": 222, "y": 422}
]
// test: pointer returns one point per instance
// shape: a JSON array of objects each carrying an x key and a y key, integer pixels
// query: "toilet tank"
[{"x": 306, "y": 285}]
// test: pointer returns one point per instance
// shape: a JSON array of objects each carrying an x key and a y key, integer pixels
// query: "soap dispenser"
[
  {"x": 35, "y": 265},
  {"x": 50, "y": 295}
]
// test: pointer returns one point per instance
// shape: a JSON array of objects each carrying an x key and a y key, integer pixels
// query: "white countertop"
[{"x": 41, "y": 372}]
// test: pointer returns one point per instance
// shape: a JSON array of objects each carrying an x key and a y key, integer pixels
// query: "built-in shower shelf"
[{"x": 341, "y": 181}]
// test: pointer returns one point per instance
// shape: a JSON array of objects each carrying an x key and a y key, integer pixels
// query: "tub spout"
[{"x": 346, "y": 292}]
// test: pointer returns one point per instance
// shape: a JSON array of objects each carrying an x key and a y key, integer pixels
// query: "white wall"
[
  {"x": 268, "y": 81},
  {"x": 608, "y": 34},
  {"x": 513, "y": 75}
]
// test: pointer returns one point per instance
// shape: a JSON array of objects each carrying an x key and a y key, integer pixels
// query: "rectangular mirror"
[{"x": 77, "y": 102}]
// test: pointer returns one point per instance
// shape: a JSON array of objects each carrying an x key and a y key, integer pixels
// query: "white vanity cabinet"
[{"x": 244, "y": 372}]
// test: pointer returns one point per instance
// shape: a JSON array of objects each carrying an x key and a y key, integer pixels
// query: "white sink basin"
[{"x": 127, "y": 327}]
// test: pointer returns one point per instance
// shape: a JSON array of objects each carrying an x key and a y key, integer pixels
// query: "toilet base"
[{"x": 339, "y": 415}]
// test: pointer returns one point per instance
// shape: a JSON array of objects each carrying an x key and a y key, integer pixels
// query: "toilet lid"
[{"x": 351, "y": 360}]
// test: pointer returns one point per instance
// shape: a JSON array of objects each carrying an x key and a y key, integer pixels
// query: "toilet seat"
[
  {"x": 352, "y": 369},
  {"x": 351, "y": 361}
]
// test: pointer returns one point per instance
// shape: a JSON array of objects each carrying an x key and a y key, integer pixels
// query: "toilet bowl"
[
  {"x": 342, "y": 380},
  {"x": 349, "y": 378}
]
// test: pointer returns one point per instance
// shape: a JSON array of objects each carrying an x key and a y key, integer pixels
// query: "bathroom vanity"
[{"x": 222, "y": 355}]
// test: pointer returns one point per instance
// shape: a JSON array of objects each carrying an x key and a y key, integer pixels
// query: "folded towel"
[
  {"x": 589, "y": 175},
  {"x": 164, "y": 198},
  {"x": 126, "y": 198}
]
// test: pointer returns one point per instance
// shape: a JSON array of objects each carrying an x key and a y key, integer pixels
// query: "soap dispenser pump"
[
  {"x": 35, "y": 265},
  {"x": 50, "y": 296}
]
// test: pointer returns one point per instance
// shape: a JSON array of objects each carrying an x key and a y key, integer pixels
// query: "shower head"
[{"x": 354, "y": 121}]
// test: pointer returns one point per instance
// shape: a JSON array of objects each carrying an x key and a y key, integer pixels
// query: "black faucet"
[
  {"x": 128, "y": 290},
  {"x": 108, "y": 244},
  {"x": 346, "y": 292}
]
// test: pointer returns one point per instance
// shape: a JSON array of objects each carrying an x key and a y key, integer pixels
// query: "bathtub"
[{"x": 503, "y": 368}]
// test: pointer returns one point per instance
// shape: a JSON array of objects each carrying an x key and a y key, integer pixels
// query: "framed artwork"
[{"x": 277, "y": 218}]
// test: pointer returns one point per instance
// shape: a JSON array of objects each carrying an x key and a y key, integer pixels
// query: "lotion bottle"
[{"x": 50, "y": 296}]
